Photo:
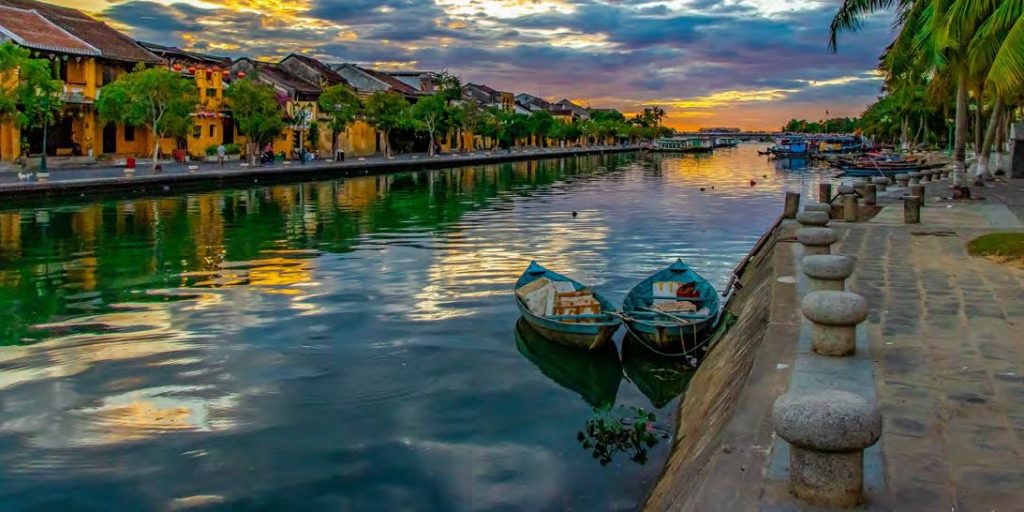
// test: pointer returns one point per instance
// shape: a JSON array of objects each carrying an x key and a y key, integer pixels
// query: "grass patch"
[{"x": 1000, "y": 247}]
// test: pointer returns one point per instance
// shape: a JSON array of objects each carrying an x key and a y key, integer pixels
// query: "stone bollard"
[
  {"x": 915, "y": 178},
  {"x": 818, "y": 207},
  {"x": 845, "y": 189},
  {"x": 834, "y": 316},
  {"x": 880, "y": 183},
  {"x": 825, "y": 193},
  {"x": 851, "y": 208},
  {"x": 926, "y": 176},
  {"x": 859, "y": 184},
  {"x": 903, "y": 180},
  {"x": 827, "y": 431},
  {"x": 792, "y": 205},
  {"x": 826, "y": 272},
  {"x": 911, "y": 210},
  {"x": 917, "y": 190},
  {"x": 870, "y": 195},
  {"x": 812, "y": 219},
  {"x": 816, "y": 240}
]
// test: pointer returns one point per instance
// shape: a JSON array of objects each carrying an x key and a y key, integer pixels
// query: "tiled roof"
[
  {"x": 29, "y": 29},
  {"x": 286, "y": 79},
  {"x": 110, "y": 43},
  {"x": 394, "y": 83},
  {"x": 173, "y": 52},
  {"x": 332, "y": 76}
]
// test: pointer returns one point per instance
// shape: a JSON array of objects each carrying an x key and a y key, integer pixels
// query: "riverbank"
[
  {"x": 114, "y": 181},
  {"x": 939, "y": 353}
]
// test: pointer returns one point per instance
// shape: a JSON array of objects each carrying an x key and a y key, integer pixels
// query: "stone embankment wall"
[{"x": 714, "y": 396}]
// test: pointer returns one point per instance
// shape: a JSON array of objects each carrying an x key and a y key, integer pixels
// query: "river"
[{"x": 348, "y": 344}]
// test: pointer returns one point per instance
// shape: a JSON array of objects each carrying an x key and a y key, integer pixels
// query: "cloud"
[{"x": 716, "y": 57}]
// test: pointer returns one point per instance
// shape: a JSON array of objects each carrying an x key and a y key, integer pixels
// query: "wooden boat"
[
  {"x": 565, "y": 310},
  {"x": 673, "y": 310},
  {"x": 660, "y": 379},
  {"x": 763, "y": 153},
  {"x": 594, "y": 375}
]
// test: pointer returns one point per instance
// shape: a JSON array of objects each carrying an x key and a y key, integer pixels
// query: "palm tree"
[{"x": 971, "y": 41}]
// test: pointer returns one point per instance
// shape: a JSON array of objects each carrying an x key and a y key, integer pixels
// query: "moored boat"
[
  {"x": 564, "y": 310},
  {"x": 672, "y": 310},
  {"x": 684, "y": 145}
]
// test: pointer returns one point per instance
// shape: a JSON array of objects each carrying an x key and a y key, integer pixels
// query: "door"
[{"x": 109, "y": 139}]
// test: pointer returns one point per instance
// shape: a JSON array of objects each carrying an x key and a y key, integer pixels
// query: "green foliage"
[
  {"x": 834, "y": 125},
  {"x": 388, "y": 111},
  {"x": 627, "y": 430},
  {"x": 430, "y": 115},
  {"x": 541, "y": 123},
  {"x": 256, "y": 109},
  {"x": 341, "y": 105},
  {"x": 33, "y": 98},
  {"x": 449, "y": 87},
  {"x": 314, "y": 134},
  {"x": 229, "y": 149},
  {"x": 156, "y": 98}
]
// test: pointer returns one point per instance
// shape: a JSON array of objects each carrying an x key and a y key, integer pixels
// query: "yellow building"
[
  {"x": 86, "y": 54},
  {"x": 211, "y": 124}
]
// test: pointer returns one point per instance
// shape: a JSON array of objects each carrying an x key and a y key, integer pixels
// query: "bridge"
[{"x": 748, "y": 136}]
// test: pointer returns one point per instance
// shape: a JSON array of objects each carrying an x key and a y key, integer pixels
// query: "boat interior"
[{"x": 560, "y": 300}]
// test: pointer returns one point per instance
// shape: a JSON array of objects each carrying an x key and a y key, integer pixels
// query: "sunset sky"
[{"x": 745, "y": 63}]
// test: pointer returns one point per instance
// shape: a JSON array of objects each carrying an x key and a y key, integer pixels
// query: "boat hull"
[
  {"x": 585, "y": 336},
  {"x": 670, "y": 338}
]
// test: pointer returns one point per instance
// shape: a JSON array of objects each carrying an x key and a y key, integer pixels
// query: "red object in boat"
[
  {"x": 176, "y": 66},
  {"x": 240, "y": 74}
]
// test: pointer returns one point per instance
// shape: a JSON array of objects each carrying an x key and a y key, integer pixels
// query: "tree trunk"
[
  {"x": 387, "y": 144},
  {"x": 430, "y": 150},
  {"x": 978, "y": 116},
  {"x": 981, "y": 171},
  {"x": 960, "y": 137},
  {"x": 904, "y": 133},
  {"x": 156, "y": 148}
]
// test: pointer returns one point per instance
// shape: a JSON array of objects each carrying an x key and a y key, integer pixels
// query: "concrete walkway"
[
  {"x": 946, "y": 332},
  {"x": 942, "y": 352},
  {"x": 76, "y": 181}
]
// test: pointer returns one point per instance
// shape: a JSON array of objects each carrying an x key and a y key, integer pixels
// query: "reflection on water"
[
  {"x": 660, "y": 379},
  {"x": 595, "y": 375},
  {"x": 344, "y": 344}
]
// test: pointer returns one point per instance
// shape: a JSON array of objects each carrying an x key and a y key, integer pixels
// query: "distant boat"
[
  {"x": 726, "y": 142},
  {"x": 673, "y": 310},
  {"x": 790, "y": 146},
  {"x": 684, "y": 145},
  {"x": 565, "y": 310},
  {"x": 595, "y": 375}
]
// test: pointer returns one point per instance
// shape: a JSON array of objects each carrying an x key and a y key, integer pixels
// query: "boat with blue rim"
[
  {"x": 673, "y": 310},
  {"x": 564, "y": 310}
]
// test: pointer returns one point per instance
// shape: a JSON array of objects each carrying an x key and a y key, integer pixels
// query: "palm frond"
[
  {"x": 850, "y": 14},
  {"x": 1007, "y": 72}
]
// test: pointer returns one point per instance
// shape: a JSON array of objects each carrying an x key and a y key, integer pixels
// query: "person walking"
[{"x": 221, "y": 154}]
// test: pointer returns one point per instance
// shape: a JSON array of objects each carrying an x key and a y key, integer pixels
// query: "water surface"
[{"x": 347, "y": 344}]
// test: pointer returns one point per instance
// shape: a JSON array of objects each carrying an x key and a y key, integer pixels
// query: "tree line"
[
  {"x": 833, "y": 125},
  {"x": 952, "y": 63},
  {"x": 163, "y": 101}
]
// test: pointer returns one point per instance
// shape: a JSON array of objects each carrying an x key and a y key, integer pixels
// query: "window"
[
  {"x": 129, "y": 134},
  {"x": 211, "y": 93},
  {"x": 197, "y": 131},
  {"x": 213, "y": 130}
]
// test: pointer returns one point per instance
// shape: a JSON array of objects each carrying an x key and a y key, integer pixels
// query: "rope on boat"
[{"x": 685, "y": 353}]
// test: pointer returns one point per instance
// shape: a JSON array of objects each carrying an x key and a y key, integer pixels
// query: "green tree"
[
  {"x": 33, "y": 98},
  {"x": 387, "y": 111},
  {"x": 430, "y": 114},
  {"x": 157, "y": 98},
  {"x": 314, "y": 135},
  {"x": 342, "y": 106},
  {"x": 258, "y": 113},
  {"x": 540, "y": 124},
  {"x": 448, "y": 87},
  {"x": 466, "y": 117}
]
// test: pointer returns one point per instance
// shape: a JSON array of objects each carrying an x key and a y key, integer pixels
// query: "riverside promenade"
[
  {"x": 941, "y": 353},
  {"x": 114, "y": 180}
]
